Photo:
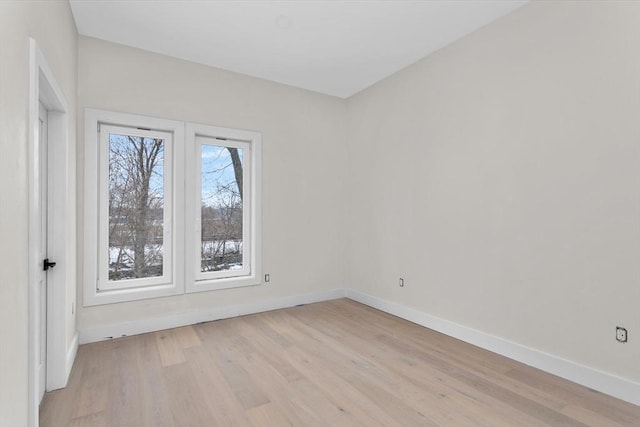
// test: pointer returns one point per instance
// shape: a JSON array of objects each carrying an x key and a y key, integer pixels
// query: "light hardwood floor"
[{"x": 335, "y": 363}]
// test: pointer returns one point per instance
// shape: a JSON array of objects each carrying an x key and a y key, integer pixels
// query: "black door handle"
[{"x": 47, "y": 265}]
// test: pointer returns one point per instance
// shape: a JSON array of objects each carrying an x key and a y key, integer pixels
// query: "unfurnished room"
[{"x": 319, "y": 213}]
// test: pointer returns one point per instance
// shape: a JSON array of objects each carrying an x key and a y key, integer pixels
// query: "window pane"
[
  {"x": 221, "y": 245},
  {"x": 136, "y": 206}
]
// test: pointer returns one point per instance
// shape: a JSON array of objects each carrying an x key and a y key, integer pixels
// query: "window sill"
[
  {"x": 219, "y": 284},
  {"x": 130, "y": 294}
]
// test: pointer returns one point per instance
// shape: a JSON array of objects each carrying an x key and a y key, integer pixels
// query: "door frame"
[{"x": 44, "y": 88}]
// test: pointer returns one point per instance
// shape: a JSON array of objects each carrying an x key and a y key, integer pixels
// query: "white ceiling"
[{"x": 333, "y": 47}]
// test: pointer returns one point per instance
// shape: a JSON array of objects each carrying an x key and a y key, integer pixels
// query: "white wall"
[
  {"x": 500, "y": 177},
  {"x": 52, "y": 25},
  {"x": 304, "y": 168}
]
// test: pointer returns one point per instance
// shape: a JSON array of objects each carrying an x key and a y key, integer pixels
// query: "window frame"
[
  {"x": 246, "y": 207},
  {"x": 104, "y": 284},
  {"x": 185, "y": 153},
  {"x": 196, "y": 281},
  {"x": 94, "y": 195}
]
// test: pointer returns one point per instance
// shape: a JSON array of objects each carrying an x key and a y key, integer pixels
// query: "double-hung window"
[{"x": 170, "y": 207}]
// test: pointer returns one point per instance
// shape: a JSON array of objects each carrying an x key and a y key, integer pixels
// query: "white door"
[{"x": 41, "y": 281}]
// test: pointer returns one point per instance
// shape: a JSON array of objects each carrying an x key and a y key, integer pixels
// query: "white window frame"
[
  {"x": 251, "y": 142},
  {"x": 104, "y": 284},
  {"x": 183, "y": 270},
  {"x": 96, "y": 290},
  {"x": 201, "y": 140}
]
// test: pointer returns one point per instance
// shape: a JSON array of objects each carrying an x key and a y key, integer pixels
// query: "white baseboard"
[
  {"x": 597, "y": 380},
  {"x": 71, "y": 357},
  {"x": 120, "y": 329}
]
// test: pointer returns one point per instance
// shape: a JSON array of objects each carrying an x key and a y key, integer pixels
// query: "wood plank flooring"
[{"x": 335, "y": 363}]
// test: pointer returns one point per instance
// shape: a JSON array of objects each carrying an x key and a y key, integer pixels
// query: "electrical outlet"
[
  {"x": 621, "y": 334},
  {"x": 267, "y": 278},
  {"x": 401, "y": 282}
]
